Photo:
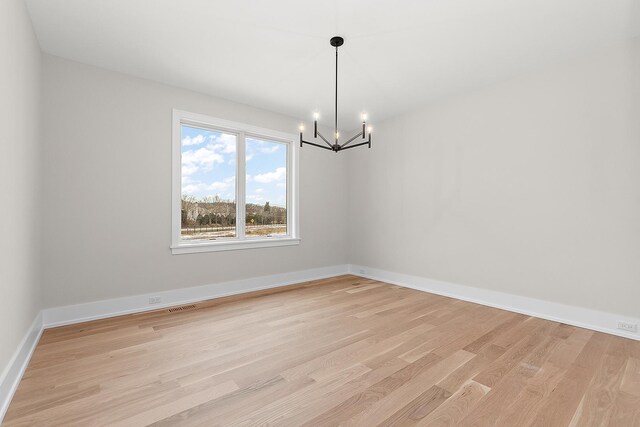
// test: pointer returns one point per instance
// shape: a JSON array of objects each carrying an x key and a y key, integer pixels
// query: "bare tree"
[
  {"x": 189, "y": 206},
  {"x": 209, "y": 203}
]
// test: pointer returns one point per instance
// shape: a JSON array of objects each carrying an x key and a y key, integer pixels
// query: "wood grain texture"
[{"x": 339, "y": 351}]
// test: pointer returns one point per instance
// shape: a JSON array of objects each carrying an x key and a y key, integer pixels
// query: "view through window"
[
  {"x": 212, "y": 206},
  {"x": 266, "y": 206},
  {"x": 208, "y": 184}
]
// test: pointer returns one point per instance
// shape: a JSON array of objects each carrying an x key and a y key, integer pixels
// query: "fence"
[{"x": 213, "y": 231}]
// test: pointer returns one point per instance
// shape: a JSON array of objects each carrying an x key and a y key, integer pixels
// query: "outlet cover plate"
[{"x": 629, "y": 327}]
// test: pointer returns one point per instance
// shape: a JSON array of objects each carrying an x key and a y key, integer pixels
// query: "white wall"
[
  {"x": 20, "y": 187},
  {"x": 107, "y": 191},
  {"x": 527, "y": 187},
  {"x": 530, "y": 187}
]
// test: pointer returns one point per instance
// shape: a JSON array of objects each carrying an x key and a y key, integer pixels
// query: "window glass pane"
[
  {"x": 266, "y": 207},
  {"x": 208, "y": 184}
]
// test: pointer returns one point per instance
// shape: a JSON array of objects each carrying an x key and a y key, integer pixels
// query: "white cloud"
[
  {"x": 269, "y": 150},
  {"x": 188, "y": 170},
  {"x": 279, "y": 174},
  {"x": 197, "y": 187},
  {"x": 225, "y": 143},
  {"x": 259, "y": 190},
  {"x": 257, "y": 146},
  {"x": 198, "y": 139},
  {"x": 203, "y": 158}
]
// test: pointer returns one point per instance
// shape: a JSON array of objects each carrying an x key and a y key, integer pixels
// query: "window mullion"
[
  {"x": 290, "y": 188},
  {"x": 241, "y": 186}
]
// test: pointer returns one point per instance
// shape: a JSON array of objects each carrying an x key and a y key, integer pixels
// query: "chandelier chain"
[{"x": 336, "y": 100}]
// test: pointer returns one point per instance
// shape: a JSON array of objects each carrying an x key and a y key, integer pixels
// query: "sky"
[{"x": 209, "y": 167}]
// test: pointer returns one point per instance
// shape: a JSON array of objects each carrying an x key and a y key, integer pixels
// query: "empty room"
[{"x": 340, "y": 213}]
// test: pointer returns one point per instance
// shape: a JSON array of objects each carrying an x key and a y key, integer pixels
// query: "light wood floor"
[{"x": 338, "y": 351}]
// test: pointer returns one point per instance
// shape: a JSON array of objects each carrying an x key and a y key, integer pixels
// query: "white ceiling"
[{"x": 275, "y": 54}]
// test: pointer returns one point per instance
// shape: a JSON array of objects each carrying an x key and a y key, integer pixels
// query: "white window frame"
[{"x": 179, "y": 246}]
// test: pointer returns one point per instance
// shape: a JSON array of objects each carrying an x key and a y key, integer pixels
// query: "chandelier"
[{"x": 336, "y": 145}]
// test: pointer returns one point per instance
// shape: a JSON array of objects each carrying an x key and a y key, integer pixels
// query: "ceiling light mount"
[
  {"x": 336, "y": 41},
  {"x": 336, "y": 146}
]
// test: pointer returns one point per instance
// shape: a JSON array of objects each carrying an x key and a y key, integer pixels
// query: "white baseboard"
[
  {"x": 14, "y": 370},
  {"x": 70, "y": 314},
  {"x": 577, "y": 316}
]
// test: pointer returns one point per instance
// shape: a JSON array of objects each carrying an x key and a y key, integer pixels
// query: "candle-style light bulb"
[
  {"x": 369, "y": 129},
  {"x": 363, "y": 116},
  {"x": 301, "y": 127},
  {"x": 316, "y": 116}
]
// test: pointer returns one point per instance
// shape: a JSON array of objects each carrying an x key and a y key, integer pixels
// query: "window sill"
[{"x": 232, "y": 245}]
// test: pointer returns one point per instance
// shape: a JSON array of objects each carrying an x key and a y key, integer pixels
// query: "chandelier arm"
[
  {"x": 314, "y": 144},
  {"x": 358, "y": 135},
  {"x": 325, "y": 139},
  {"x": 357, "y": 145}
]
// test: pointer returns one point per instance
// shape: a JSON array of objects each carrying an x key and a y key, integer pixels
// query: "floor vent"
[{"x": 182, "y": 308}]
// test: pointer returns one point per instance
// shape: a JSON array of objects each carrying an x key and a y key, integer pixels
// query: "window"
[{"x": 234, "y": 185}]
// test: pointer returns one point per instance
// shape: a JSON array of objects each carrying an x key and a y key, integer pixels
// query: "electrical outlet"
[
  {"x": 629, "y": 327},
  {"x": 155, "y": 300}
]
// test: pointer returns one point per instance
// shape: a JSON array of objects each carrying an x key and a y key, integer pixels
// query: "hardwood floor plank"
[
  {"x": 631, "y": 377},
  {"x": 508, "y": 375},
  {"x": 491, "y": 375},
  {"x": 338, "y": 351},
  {"x": 527, "y": 404},
  {"x": 373, "y": 394},
  {"x": 598, "y": 400},
  {"x": 166, "y": 410},
  {"x": 410, "y": 390},
  {"x": 563, "y": 401},
  {"x": 451, "y": 412},
  {"x": 418, "y": 408}
]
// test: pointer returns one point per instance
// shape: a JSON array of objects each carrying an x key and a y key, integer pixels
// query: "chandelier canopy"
[{"x": 336, "y": 145}]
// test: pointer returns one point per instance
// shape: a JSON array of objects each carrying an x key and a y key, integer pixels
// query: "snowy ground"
[{"x": 220, "y": 232}]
